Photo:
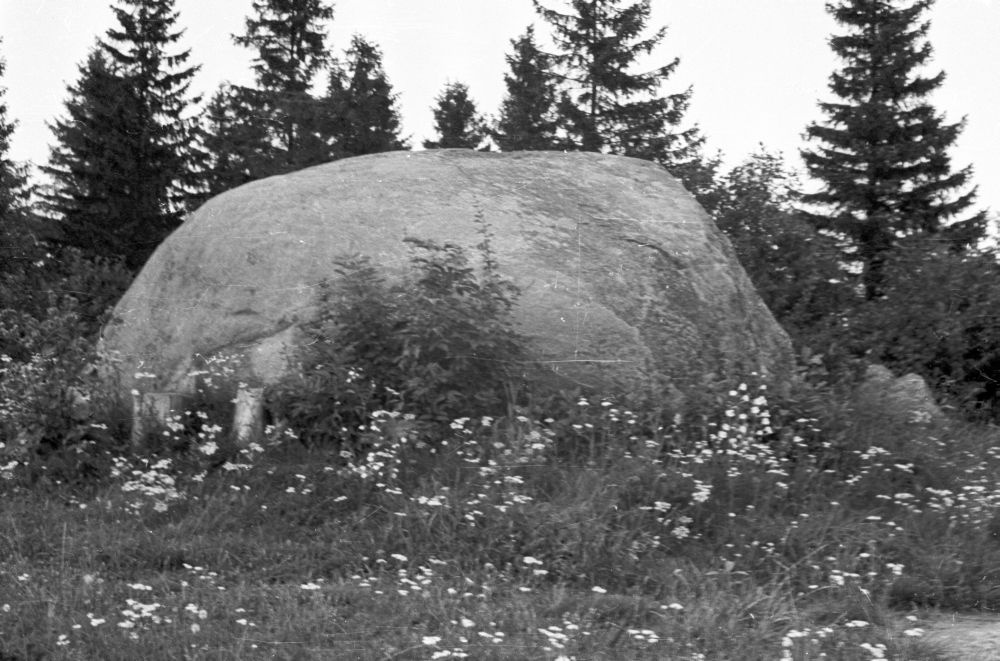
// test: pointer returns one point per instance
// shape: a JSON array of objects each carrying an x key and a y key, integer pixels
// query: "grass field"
[{"x": 751, "y": 533}]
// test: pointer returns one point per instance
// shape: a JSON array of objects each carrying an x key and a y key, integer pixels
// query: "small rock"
[{"x": 905, "y": 399}]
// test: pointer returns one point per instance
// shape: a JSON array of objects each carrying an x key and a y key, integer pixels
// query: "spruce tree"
[
  {"x": 13, "y": 176},
  {"x": 290, "y": 45},
  {"x": 92, "y": 163},
  {"x": 605, "y": 105},
  {"x": 17, "y": 246},
  {"x": 882, "y": 153},
  {"x": 456, "y": 120},
  {"x": 527, "y": 115},
  {"x": 50, "y": 298},
  {"x": 125, "y": 167},
  {"x": 20, "y": 248},
  {"x": 236, "y": 138},
  {"x": 363, "y": 115},
  {"x": 161, "y": 80}
]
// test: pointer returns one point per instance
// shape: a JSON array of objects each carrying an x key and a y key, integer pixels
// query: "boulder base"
[{"x": 622, "y": 275}]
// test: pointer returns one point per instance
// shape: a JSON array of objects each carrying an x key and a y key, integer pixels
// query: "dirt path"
[{"x": 972, "y": 637}]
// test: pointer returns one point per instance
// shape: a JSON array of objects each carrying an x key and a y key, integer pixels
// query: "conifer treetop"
[
  {"x": 605, "y": 104},
  {"x": 145, "y": 28},
  {"x": 527, "y": 114},
  {"x": 365, "y": 117},
  {"x": 13, "y": 176},
  {"x": 882, "y": 151},
  {"x": 290, "y": 42},
  {"x": 125, "y": 165},
  {"x": 456, "y": 120}
]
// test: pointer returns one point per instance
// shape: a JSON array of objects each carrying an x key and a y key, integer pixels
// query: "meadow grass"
[{"x": 746, "y": 533}]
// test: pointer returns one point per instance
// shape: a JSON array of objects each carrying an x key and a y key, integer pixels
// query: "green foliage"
[
  {"x": 605, "y": 105},
  {"x": 55, "y": 300},
  {"x": 527, "y": 115},
  {"x": 882, "y": 152},
  {"x": 938, "y": 317},
  {"x": 457, "y": 122},
  {"x": 56, "y": 417},
  {"x": 937, "y": 313},
  {"x": 288, "y": 41},
  {"x": 236, "y": 138},
  {"x": 60, "y": 424},
  {"x": 281, "y": 125},
  {"x": 700, "y": 175},
  {"x": 20, "y": 245},
  {"x": 364, "y": 117},
  {"x": 125, "y": 165},
  {"x": 793, "y": 267},
  {"x": 57, "y": 420},
  {"x": 14, "y": 187},
  {"x": 437, "y": 345},
  {"x": 52, "y": 303}
]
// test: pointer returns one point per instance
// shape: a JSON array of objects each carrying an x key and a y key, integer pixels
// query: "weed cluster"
[
  {"x": 438, "y": 345},
  {"x": 752, "y": 534}
]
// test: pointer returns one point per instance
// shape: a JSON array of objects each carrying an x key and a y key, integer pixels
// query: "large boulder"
[{"x": 622, "y": 275}]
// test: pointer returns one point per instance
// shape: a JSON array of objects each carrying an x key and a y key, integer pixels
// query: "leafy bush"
[
  {"x": 63, "y": 295},
  {"x": 938, "y": 314},
  {"x": 939, "y": 318},
  {"x": 793, "y": 267},
  {"x": 438, "y": 345},
  {"x": 57, "y": 420}
]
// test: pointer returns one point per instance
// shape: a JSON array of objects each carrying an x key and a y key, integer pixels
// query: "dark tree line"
[
  {"x": 49, "y": 297},
  {"x": 283, "y": 123},
  {"x": 14, "y": 188},
  {"x": 528, "y": 112},
  {"x": 585, "y": 96},
  {"x": 133, "y": 153},
  {"x": 20, "y": 244}
]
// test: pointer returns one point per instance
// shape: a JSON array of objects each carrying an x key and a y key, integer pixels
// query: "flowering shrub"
[{"x": 436, "y": 346}]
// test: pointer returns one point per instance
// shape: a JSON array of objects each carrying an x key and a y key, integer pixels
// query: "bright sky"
[{"x": 758, "y": 66}]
